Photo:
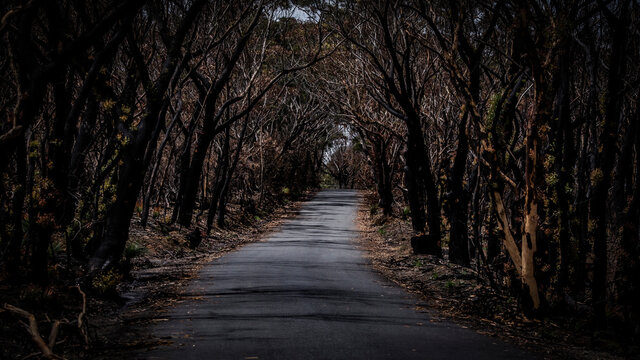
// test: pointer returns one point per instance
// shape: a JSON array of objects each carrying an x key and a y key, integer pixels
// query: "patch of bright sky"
[{"x": 298, "y": 13}]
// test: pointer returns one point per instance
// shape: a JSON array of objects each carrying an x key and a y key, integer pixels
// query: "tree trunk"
[
  {"x": 182, "y": 166},
  {"x": 222, "y": 203},
  {"x": 420, "y": 182},
  {"x": 530, "y": 233},
  {"x": 130, "y": 179},
  {"x": 221, "y": 174},
  {"x": 377, "y": 150},
  {"x": 146, "y": 203},
  {"x": 459, "y": 201},
  {"x": 415, "y": 189}
]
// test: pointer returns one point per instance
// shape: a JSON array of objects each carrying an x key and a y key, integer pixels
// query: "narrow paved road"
[{"x": 307, "y": 293}]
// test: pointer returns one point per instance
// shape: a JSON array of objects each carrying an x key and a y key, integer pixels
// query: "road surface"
[{"x": 307, "y": 293}]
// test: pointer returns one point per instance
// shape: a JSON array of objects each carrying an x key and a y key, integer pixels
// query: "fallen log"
[{"x": 33, "y": 330}]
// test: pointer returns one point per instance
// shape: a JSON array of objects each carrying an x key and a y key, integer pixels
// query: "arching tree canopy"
[{"x": 506, "y": 131}]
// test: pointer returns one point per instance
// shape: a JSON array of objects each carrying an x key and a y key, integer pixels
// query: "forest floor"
[
  {"x": 457, "y": 293},
  {"x": 116, "y": 320}
]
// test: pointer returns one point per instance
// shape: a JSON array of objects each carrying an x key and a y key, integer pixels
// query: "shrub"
[
  {"x": 134, "y": 250},
  {"x": 106, "y": 282}
]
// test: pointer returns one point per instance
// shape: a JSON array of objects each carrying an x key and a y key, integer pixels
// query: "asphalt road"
[{"x": 307, "y": 293}]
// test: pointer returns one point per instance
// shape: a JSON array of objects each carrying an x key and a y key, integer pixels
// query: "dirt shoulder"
[{"x": 458, "y": 294}]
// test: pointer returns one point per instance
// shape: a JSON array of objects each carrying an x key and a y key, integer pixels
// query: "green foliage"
[
  {"x": 406, "y": 211},
  {"x": 54, "y": 248},
  {"x": 373, "y": 209},
  {"x": 107, "y": 104},
  {"x": 33, "y": 149},
  {"x": 450, "y": 284},
  {"x": 106, "y": 282},
  {"x": 549, "y": 161},
  {"x": 383, "y": 230},
  {"x": 327, "y": 181},
  {"x": 552, "y": 179},
  {"x": 418, "y": 263},
  {"x": 133, "y": 250},
  {"x": 285, "y": 191},
  {"x": 108, "y": 196},
  {"x": 435, "y": 276}
]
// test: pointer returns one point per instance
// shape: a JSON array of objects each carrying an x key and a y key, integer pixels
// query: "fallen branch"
[
  {"x": 82, "y": 317},
  {"x": 33, "y": 330},
  {"x": 54, "y": 334}
]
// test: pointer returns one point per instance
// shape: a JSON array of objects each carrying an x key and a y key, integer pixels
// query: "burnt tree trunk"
[{"x": 459, "y": 201}]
